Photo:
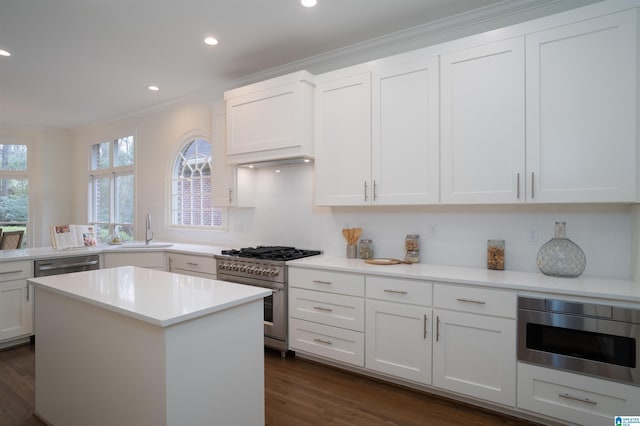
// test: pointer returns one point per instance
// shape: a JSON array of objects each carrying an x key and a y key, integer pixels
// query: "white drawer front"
[
  {"x": 16, "y": 270},
  {"x": 329, "y": 342},
  {"x": 331, "y": 282},
  {"x": 327, "y": 308},
  {"x": 475, "y": 300},
  {"x": 574, "y": 398},
  {"x": 398, "y": 290},
  {"x": 206, "y": 265}
]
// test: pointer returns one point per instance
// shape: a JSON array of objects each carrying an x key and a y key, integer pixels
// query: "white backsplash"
[{"x": 452, "y": 235}]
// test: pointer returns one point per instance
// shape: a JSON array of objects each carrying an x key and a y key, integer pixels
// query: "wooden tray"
[{"x": 384, "y": 261}]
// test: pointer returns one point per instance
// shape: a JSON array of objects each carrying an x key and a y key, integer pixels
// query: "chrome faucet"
[{"x": 148, "y": 231}]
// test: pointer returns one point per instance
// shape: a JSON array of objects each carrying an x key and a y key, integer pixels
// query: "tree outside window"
[
  {"x": 112, "y": 189},
  {"x": 14, "y": 188}
]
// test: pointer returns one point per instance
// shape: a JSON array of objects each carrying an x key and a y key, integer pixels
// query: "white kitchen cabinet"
[
  {"x": 377, "y": 134},
  {"x": 231, "y": 186},
  {"x": 189, "y": 264},
  {"x": 326, "y": 314},
  {"x": 399, "y": 328},
  {"x": 143, "y": 259},
  {"x": 16, "y": 300},
  {"x": 270, "y": 120},
  {"x": 574, "y": 398},
  {"x": 483, "y": 124},
  {"x": 581, "y": 111},
  {"x": 475, "y": 353}
]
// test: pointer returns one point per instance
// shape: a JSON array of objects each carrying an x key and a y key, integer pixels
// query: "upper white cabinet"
[
  {"x": 271, "y": 120},
  {"x": 581, "y": 111},
  {"x": 231, "y": 186},
  {"x": 377, "y": 134},
  {"x": 483, "y": 126}
]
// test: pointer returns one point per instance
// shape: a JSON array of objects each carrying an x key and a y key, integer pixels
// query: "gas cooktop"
[{"x": 271, "y": 253}]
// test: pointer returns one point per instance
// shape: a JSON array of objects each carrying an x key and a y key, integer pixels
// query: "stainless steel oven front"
[{"x": 593, "y": 339}]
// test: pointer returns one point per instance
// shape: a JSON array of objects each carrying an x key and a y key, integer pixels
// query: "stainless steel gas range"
[{"x": 264, "y": 266}]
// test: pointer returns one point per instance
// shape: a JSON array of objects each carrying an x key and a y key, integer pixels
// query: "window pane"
[
  {"x": 124, "y": 199},
  {"x": 13, "y": 157},
  {"x": 124, "y": 153},
  {"x": 101, "y": 199},
  {"x": 102, "y": 232},
  {"x": 100, "y": 156},
  {"x": 125, "y": 231},
  {"x": 14, "y": 196}
]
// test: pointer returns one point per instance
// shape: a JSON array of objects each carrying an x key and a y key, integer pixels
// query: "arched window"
[{"x": 191, "y": 187}]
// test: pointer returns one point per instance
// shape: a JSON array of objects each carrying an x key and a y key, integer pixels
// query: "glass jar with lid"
[
  {"x": 412, "y": 248},
  {"x": 366, "y": 249}
]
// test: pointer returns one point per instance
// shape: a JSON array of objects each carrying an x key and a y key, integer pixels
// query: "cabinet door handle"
[
  {"x": 230, "y": 195},
  {"x": 375, "y": 190},
  {"x": 477, "y": 302},
  {"x": 388, "y": 290},
  {"x": 192, "y": 264},
  {"x": 577, "y": 398},
  {"x": 365, "y": 192},
  {"x": 326, "y": 342},
  {"x": 321, "y": 308},
  {"x": 28, "y": 292},
  {"x": 518, "y": 186},
  {"x": 322, "y": 282},
  {"x": 425, "y": 327},
  {"x": 532, "y": 186},
  {"x": 437, "y": 328}
]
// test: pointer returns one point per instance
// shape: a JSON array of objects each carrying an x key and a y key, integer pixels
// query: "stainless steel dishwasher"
[{"x": 65, "y": 265}]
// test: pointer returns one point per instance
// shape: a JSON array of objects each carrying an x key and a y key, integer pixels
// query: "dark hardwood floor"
[{"x": 298, "y": 392}]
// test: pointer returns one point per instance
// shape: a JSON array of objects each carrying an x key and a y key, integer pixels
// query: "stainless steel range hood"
[{"x": 277, "y": 163}]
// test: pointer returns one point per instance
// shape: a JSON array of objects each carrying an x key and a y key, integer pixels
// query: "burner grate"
[{"x": 271, "y": 253}]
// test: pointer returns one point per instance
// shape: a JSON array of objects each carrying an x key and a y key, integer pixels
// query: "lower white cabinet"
[
  {"x": 398, "y": 340},
  {"x": 147, "y": 259},
  {"x": 334, "y": 343},
  {"x": 574, "y": 398},
  {"x": 475, "y": 353},
  {"x": 16, "y": 300},
  {"x": 196, "y": 266}
]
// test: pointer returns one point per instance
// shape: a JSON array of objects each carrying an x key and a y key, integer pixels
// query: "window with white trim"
[
  {"x": 14, "y": 188},
  {"x": 191, "y": 187},
  {"x": 112, "y": 188}
]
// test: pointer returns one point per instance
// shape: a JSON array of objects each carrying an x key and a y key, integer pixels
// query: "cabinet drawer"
[
  {"x": 16, "y": 270},
  {"x": 399, "y": 290},
  {"x": 327, "y": 308},
  {"x": 330, "y": 282},
  {"x": 326, "y": 341},
  {"x": 206, "y": 265},
  {"x": 574, "y": 398},
  {"x": 472, "y": 299}
]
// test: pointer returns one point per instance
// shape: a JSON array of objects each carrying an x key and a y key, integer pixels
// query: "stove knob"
[
  {"x": 235, "y": 267},
  {"x": 243, "y": 268},
  {"x": 274, "y": 272},
  {"x": 223, "y": 266},
  {"x": 251, "y": 270}
]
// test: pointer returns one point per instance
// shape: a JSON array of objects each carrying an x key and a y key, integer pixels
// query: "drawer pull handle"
[
  {"x": 387, "y": 290},
  {"x": 192, "y": 264},
  {"x": 437, "y": 328},
  {"x": 477, "y": 302},
  {"x": 320, "y": 308},
  {"x": 322, "y": 282},
  {"x": 576, "y": 398},
  {"x": 326, "y": 342},
  {"x": 17, "y": 271}
]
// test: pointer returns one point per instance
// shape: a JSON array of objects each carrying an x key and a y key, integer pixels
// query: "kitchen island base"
[{"x": 95, "y": 366}]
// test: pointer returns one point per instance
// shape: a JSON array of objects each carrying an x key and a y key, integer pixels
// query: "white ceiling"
[{"x": 78, "y": 62}]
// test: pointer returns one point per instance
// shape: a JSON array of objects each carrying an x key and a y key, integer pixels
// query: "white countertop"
[
  {"x": 621, "y": 291},
  {"x": 156, "y": 297}
]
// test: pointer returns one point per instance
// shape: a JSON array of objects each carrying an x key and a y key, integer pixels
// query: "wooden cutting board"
[{"x": 385, "y": 261}]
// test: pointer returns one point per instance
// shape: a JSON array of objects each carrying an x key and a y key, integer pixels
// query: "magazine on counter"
[{"x": 68, "y": 236}]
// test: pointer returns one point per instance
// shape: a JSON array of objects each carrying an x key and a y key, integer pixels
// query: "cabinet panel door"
[
  {"x": 581, "y": 112},
  {"x": 482, "y": 118},
  {"x": 399, "y": 340},
  {"x": 405, "y": 135},
  {"x": 343, "y": 141},
  {"x": 475, "y": 355},
  {"x": 16, "y": 309}
]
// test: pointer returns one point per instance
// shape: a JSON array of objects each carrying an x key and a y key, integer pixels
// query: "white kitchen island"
[{"x": 134, "y": 346}]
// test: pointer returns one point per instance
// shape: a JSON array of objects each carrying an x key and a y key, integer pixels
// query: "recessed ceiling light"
[
  {"x": 211, "y": 41},
  {"x": 308, "y": 3},
  {"x": 154, "y": 88},
  {"x": 4, "y": 53}
]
